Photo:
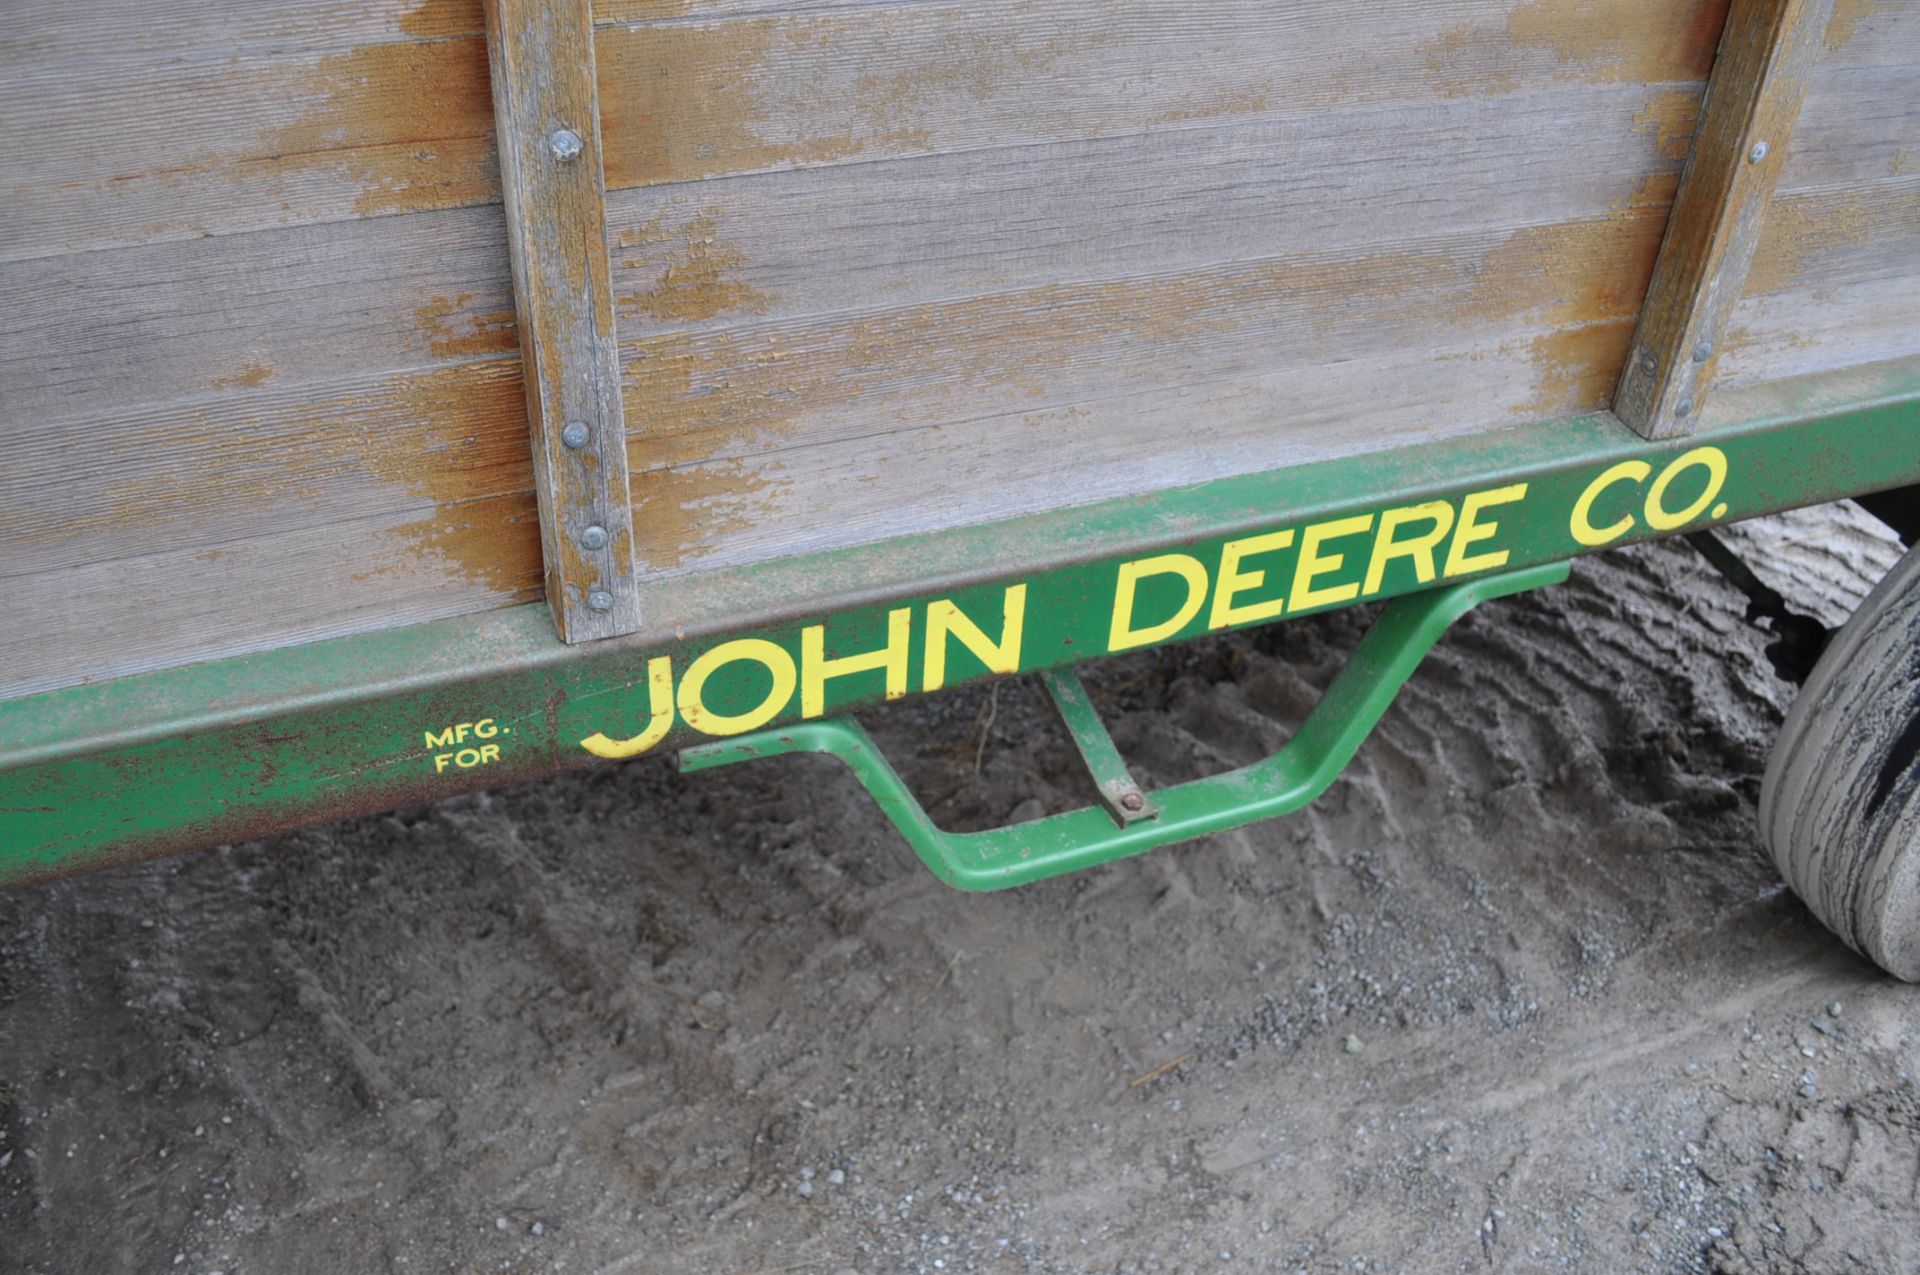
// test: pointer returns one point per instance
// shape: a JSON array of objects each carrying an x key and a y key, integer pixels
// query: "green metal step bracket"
[{"x": 1133, "y": 821}]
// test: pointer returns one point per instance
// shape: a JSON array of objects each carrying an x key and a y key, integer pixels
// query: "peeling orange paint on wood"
[
  {"x": 246, "y": 378},
  {"x": 1845, "y": 24},
  {"x": 455, "y": 331},
  {"x": 1671, "y": 118},
  {"x": 696, "y": 284},
  {"x": 679, "y": 103},
  {"x": 409, "y": 126},
  {"x": 1804, "y": 231},
  {"x": 438, "y": 19},
  {"x": 1577, "y": 368},
  {"x": 682, "y": 514},
  {"x": 1625, "y": 40},
  {"x": 493, "y": 543},
  {"x": 1592, "y": 41},
  {"x": 697, "y": 395}
]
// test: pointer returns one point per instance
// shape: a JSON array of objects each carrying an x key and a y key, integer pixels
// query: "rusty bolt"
[
  {"x": 575, "y": 435},
  {"x": 1759, "y": 152},
  {"x": 1685, "y": 408},
  {"x": 1702, "y": 352},
  {"x": 565, "y": 144},
  {"x": 600, "y": 600},
  {"x": 594, "y": 538},
  {"x": 1133, "y": 803}
]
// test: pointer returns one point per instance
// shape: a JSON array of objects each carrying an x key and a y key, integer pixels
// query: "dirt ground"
[{"x": 1521, "y": 993}]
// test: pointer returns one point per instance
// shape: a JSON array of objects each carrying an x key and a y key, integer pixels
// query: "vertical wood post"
[
  {"x": 547, "y": 114},
  {"x": 1752, "y": 103}
]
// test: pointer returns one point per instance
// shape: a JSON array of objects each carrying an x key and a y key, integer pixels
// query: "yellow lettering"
[
  {"x": 1313, "y": 564},
  {"x": 693, "y": 709},
  {"x": 1714, "y": 461},
  {"x": 489, "y": 753},
  {"x": 1123, "y": 636},
  {"x": 816, "y": 668},
  {"x": 440, "y": 762},
  {"x": 485, "y": 729},
  {"x": 467, "y": 758},
  {"x": 1472, "y": 531},
  {"x": 945, "y": 621},
  {"x": 1234, "y": 581},
  {"x": 1633, "y": 471},
  {"x": 660, "y": 704},
  {"x": 440, "y": 738},
  {"x": 1422, "y": 550}
]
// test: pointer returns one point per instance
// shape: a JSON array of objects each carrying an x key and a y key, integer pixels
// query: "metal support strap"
[{"x": 547, "y": 114}]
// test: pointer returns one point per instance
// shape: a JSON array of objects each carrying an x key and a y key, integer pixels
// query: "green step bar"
[
  {"x": 1136, "y": 822},
  {"x": 256, "y": 743}
]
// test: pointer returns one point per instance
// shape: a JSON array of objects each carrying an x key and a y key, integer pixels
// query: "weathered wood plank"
[
  {"x": 97, "y": 333},
  {"x": 765, "y": 90},
  {"x": 53, "y": 34},
  {"x": 129, "y": 615},
  {"x": 1804, "y": 330},
  {"x": 260, "y": 460},
  {"x": 1741, "y": 145},
  {"x": 748, "y": 391},
  {"x": 763, "y": 506},
  {"x": 1857, "y": 125},
  {"x": 179, "y": 151},
  {"x": 235, "y": 116},
  {"x": 879, "y": 236},
  {"x": 225, "y": 134},
  {"x": 548, "y": 119}
]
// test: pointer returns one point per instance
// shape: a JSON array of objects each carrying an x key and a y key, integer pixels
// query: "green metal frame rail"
[
  {"x": 1054, "y": 846},
  {"x": 255, "y": 743}
]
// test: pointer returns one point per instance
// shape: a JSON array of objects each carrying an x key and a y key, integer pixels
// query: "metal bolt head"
[
  {"x": 575, "y": 435},
  {"x": 600, "y": 600},
  {"x": 1758, "y": 153},
  {"x": 1702, "y": 352},
  {"x": 1685, "y": 408},
  {"x": 565, "y": 144},
  {"x": 593, "y": 538},
  {"x": 1133, "y": 803}
]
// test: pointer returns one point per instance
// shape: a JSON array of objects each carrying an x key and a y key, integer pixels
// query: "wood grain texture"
[
  {"x": 235, "y": 116},
  {"x": 128, "y": 615},
  {"x": 541, "y": 53},
  {"x": 239, "y": 117},
  {"x": 923, "y": 278},
  {"x": 105, "y": 332},
  {"x": 753, "y": 88},
  {"x": 763, "y": 506},
  {"x": 227, "y": 466},
  {"x": 1746, "y": 126}
]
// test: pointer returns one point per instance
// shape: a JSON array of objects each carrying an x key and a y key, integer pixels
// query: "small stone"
[
  {"x": 836, "y": 1178},
  {"x": 537, "y": 1229},
  {"x": 1353, "y": 1045},
  {"x": 1806, "y": 1051},
  {"x": 806, "y": 1190},
  {"x": 1834, "y": 1010},
  {"x": 179, "y": 1258},
  {"x": 500, "y": 1224}
]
